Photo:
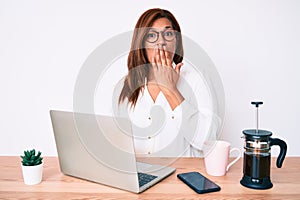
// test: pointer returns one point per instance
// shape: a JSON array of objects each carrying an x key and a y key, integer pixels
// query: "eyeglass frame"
[{"x": 158, "y": 33}]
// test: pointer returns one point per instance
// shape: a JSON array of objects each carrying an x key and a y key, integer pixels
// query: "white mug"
[{"x": 216, "y": 161}]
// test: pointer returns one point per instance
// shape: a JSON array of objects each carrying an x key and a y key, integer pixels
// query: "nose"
[{"x": 161, "y": 40}]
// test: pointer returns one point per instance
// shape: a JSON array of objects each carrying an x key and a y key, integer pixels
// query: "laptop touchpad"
[{"x": 143, "y": 167}]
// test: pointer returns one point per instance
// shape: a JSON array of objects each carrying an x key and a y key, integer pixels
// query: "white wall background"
[{"x": 254, "y": 44}]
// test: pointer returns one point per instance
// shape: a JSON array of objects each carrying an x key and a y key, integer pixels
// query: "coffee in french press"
[{"x": 257, "y": 156}]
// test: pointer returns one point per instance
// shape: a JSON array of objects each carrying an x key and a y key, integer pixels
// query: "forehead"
[{"x": 162, "y": 23}]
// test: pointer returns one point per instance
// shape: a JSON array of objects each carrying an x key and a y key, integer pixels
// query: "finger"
[
  {"x": 168, "y": 61},
  {"x": 153, "y": 62},
  {"x": 162, "y": 55},
  {"x": 157, "y": 57},
  {"x": 178, "y": 67}
]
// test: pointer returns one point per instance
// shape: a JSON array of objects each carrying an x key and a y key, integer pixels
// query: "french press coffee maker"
[{"x": 257, "y": 156}]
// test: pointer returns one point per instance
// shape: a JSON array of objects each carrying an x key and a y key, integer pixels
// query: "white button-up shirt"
[{"x": 157, "y": 129}]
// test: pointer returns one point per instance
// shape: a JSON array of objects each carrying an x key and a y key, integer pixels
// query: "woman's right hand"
[{"x": 165, "y": 76}]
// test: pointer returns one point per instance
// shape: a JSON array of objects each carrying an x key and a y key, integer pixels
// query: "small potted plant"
[{"x": 32, "y": 167}]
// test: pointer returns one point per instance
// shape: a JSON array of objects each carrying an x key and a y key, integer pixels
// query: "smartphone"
[{"x": 198, "y": 182}]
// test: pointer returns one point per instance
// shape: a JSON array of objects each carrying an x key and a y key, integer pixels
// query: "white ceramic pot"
[{"x": 32, "y": 174}]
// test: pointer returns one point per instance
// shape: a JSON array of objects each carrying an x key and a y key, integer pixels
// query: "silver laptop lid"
[{"x": 96, "y": 148}]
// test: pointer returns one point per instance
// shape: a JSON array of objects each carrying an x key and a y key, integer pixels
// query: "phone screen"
[{"x": 198, "y": 182}]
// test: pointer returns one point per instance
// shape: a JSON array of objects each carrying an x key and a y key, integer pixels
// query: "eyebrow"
[{"x": 165, "y": 28}]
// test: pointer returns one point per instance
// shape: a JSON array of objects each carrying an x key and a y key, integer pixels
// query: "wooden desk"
[{"x": 55, "y": 185}]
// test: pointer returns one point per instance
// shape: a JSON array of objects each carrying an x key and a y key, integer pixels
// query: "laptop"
[{"x": 101, "y": 149}]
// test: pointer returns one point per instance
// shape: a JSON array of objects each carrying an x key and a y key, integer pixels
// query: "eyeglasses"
[{"x": 168, "y": 35}]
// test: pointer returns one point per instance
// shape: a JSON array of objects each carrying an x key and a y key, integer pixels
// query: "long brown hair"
[{"x": 137, "y": 61}]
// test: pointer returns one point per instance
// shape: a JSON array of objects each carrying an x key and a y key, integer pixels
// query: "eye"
[
  {"x": 151, "y": 35},
  {"x": 169, "y": 33}
]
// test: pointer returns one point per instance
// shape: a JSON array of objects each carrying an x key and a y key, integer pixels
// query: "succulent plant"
[{"x": 30, "y": 159}]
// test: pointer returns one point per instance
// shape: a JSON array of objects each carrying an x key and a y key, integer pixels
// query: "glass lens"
[
  {"x": 169, "y": 35},
  {"x": 152, "y": 36}
]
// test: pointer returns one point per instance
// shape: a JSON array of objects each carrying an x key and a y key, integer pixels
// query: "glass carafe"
[{"x": 257, "y": 158}]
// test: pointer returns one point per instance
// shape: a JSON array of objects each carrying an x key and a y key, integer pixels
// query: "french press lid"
[{"x": 252, "y": 134}]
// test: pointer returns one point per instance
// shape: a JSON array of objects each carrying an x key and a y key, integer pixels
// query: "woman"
[
  {"x": 159, "y": 96},
  {"x": 156, "y": 40}
]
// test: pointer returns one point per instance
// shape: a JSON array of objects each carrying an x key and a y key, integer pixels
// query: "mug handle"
[{"x": 236, "y": 159}]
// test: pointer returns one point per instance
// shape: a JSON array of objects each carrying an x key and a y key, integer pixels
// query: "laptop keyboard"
[{"x": 145, "y": 178}]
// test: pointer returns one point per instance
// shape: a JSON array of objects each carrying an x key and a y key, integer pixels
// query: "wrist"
[{"x": 173, "y": 96}]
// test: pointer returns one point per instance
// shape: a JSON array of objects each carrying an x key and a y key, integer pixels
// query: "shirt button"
[
  {"x": 173, "y": 117},
  {"x": 149, "y": 137},
  {"x": 149, "y": 118},
  {"x": 149, "y": 152}
]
